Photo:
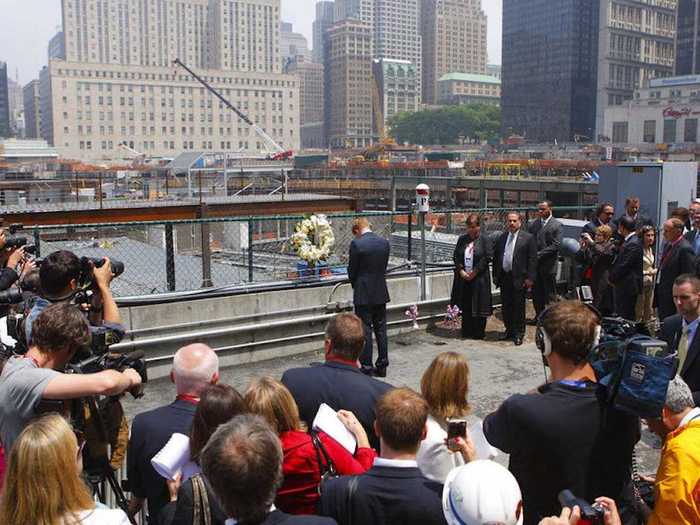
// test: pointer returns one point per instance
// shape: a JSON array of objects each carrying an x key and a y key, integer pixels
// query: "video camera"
[
  {"x": 111, "y": 361},
  {"x": 13, "y": 241}
]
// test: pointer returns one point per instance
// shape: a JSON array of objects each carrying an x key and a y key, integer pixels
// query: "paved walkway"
[{"x": 497, "y": 371}]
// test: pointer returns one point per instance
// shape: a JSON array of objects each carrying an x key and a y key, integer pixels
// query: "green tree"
[{"x": 448, "y": 125}]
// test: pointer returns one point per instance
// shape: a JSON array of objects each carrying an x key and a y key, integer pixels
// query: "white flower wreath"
[{"x": 313, "y": 239}]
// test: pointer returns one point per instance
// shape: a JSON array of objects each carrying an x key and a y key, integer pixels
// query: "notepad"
[{"x": 327, "y": 420}]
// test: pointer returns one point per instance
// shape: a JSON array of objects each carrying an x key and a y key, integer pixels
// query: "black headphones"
[{"x": 544, "y": 343}]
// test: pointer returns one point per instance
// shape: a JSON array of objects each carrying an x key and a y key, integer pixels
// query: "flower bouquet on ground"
[
  {"x": 412, "y": 314},
  {"x": 451, "y": 325}
]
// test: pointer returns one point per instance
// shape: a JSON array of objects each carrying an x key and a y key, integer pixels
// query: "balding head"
[{"x": 194, "y": 367}]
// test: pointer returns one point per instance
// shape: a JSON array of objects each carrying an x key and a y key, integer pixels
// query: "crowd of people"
[{"x": 255, "y": 456}]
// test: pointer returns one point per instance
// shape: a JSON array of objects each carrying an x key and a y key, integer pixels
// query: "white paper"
[
  {"x": 328, "y": 421},
  {"x": 483, "y": 449},
  {"x": 172, "y": 457}
]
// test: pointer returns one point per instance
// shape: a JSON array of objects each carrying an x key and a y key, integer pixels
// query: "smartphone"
[{"x": 456, "y": 428}]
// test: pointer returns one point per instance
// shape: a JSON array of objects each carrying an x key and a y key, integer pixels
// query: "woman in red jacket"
[{"x": 299, "y": 493}]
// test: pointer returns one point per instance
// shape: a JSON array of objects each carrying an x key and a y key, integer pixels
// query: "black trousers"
[
  {"x": 625, "y": 303},
  {"x": 472, "y": 327},
  {"x": 512, "y": 306},
  {"x": 544, "y": 291},
  {"x": 374, "y": 320}
]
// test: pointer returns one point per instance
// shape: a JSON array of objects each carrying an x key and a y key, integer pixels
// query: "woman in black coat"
[
  {"x": 600, "y": 253},
  {"x": 471, "y": 289}
]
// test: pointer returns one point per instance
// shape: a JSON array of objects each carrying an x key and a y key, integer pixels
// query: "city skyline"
[{"x": 26, "y": 51}]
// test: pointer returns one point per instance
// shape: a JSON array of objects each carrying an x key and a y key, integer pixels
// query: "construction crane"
[{"x": 274, "y": 150}]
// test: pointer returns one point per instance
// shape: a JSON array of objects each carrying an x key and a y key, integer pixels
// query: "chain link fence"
[{"x": 178, "y": 256}]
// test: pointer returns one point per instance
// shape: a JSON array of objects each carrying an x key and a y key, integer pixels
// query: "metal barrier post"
[
  {"x": 206, "y": 256},
  {"x": 409, "y": 255},
  {"x": 37, "y": 243},
  {"x": 423, "y": 276},
  {"x": 169, "y": 257},
  {"x": 251, "y": 275}
]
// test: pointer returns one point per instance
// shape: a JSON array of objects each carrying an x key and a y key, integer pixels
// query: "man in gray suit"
[{"x": 547, "y": 231}]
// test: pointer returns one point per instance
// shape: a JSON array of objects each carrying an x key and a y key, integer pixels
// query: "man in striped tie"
[{"x": 681, "y": 331}]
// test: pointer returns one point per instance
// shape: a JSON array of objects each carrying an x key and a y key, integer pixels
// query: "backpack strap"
[{"x": 202, "y": 509}]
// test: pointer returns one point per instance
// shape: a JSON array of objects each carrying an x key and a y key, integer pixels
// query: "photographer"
[
  {"x": 563, "y": 435},
  {"x": 59, "y": 332},
  {"x": 60, "y": 275}
]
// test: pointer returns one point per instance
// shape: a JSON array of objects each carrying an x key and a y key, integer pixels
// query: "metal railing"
[{"x": 180, "y": 256}]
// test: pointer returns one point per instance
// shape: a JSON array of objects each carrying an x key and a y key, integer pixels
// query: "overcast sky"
[{"x": 27, "y": 25}]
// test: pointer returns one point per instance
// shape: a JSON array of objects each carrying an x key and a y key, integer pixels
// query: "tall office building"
[
  {"x": 57, "y": 46},
  {"x": 311, "y": 99},
  {"x": 16, "y": 102},
  {"x": 549, "y": 68},
  {"x": 363, "y": 10},
  {"x": 348, "y": 84},
  {"x": 636, "y": 44},
  {"x": 688, "y": 38},
  {"x": 46, "y": 106},
  {"x": 566, "y": 61},
  {"x": 4, "y": 102},
  {"x": 292, "y": 44},
  {"x": 32, "y": 110},
  {"x": 325, "y": 16},
  {"x": 454, "y": 41}
]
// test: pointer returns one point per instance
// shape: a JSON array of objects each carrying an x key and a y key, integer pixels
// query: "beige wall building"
[
  {"x": 311, "y": 99},
  {"x": 348, "y": 82},
  {"x": 462, "y": 88},
  {"x": 454, "y": 41},
  {"x": 636, "y": 43},
  {"x": 162, "y": 112}
]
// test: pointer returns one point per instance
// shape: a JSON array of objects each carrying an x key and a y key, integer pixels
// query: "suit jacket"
[
  {"x": 640, "y": 221},
  {"x": 627, "y": 274},
  {"x": 548, "y": 238},
  {"x": 670, "y": 331},
  {"x": 480, "y": 296},
  {"x": 385, "y": 496},
  {"x": 524, "y": 259},
  {"x": 679, "y": 260},
  {"x": 340, "y": 386},
  {"x": 150, "y": 431},
  {"x": 369, "y": 257}
]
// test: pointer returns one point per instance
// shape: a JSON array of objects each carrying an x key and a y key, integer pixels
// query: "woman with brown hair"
[
  {"x": 645, "y": 302},
  {"x": 218, "y": 404},
  {"x": 471, "y": 288},
  {"x": 445, "y": 386},
  {"x": 43, "y": 484},
  {"x": 305, "y": 459}
]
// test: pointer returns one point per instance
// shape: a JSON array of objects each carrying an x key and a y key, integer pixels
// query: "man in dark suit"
[
  {"x": 338, "y": 382},
  {"x": 394, "y": 490},
  {"x": 194, "y": 368},
  {"x": 626, "y": 274},
  {"x": 604, "y": 214},
  {"x": 693, "y": 233},
  {"x": 632, "y": 207},
  {"x": 677, "y": 258},
  {"x": 547, "y": 232},
  {"x": 515, "y": 269},
  {"x": 369, "y": 257},
  {"x": 681, "y": 331},
  {"x": 242, "y": 463}
]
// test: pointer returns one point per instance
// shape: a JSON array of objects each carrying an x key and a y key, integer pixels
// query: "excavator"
[{"x": 273, "y": 149}]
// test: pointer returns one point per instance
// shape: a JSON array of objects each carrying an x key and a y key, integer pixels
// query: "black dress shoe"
[
  {"x": 518, "y": 340},
  {"x": 367, "y": 370},
  {"x": 380, "y": 372}
]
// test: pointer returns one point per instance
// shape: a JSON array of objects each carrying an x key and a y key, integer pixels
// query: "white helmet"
[{"x": 482, "y": 493}]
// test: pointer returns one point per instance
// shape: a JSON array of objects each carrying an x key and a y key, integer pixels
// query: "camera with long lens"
[{"x": 88, "y": 265}]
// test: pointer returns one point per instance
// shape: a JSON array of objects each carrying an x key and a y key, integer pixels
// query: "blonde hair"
[
  {"x": 359, "y": 224},
  {"x": 604, "y": 230},
  {"x": 445, "y": 386},
  {"x": 42, "y": 483},
  {"x": 270, "y": 399}
]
